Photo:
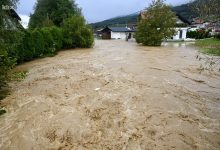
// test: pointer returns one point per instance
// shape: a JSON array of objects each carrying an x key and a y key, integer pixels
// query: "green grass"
[{"x": 209, "y": 46}]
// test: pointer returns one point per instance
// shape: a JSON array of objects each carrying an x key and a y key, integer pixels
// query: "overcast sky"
[{"x": 98, "y": 10}]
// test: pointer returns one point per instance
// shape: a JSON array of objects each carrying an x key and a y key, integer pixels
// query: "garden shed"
[{"x": 123, "y": 33}]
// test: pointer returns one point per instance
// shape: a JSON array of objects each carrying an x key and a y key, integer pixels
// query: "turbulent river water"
[{"x": 116, "y": 96}]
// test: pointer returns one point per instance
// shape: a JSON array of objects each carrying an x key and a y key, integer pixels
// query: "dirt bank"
[{"x": 117, "y": 96}]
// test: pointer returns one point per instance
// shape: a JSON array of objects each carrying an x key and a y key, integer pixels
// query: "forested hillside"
[{"x": 117, "y": 21}]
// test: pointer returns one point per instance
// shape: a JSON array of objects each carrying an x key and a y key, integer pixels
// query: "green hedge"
[
  {"x": 40, "y": 42},
  {"x": 48, "y": 40},
  {"x": 199, "y": 34}
]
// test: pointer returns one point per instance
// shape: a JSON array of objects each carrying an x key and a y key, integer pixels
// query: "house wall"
[
  {"x": 118, "y": 35},
  {"x": 178, "y": 31},
  {"x": 106, "y": 35}
]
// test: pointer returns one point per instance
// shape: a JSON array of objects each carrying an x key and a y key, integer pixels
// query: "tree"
[
  {"x": 54, "y": 11},
  {"x": 77, "y": 33},
  {"x": 156, "y": 23}
]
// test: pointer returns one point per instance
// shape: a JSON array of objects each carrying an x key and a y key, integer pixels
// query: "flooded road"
[{"x": 116, "y": 96}]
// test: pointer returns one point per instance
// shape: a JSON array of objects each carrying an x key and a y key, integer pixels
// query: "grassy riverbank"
[{"x": 209, "y": 46}]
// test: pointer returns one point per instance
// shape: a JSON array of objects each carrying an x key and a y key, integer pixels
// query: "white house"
[
  {"x": 181, "y": 33},
  {"x": 123, "y": 33}
]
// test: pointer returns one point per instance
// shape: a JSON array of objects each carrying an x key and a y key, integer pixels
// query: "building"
[
  {"x": 123, "y": 33},
  {"x": 200, "y": 24},
  {"x": 12, "y": 21},
  {"x": 182, "y": 27},
  {"x": 216, "y": 27},
  {"x": 181, "y": 34}
]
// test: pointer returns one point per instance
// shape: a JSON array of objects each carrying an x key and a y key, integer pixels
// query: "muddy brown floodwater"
[{"x": 116, "y": 96}]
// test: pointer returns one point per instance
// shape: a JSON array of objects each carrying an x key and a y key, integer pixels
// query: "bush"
[
  {"x": 48, "y": 40},
  {"x": 39, "y": 42},
  {"x": 87, "y": 37},
  {"x": 76, "y": 33},
  {"x": 10, "y": 40},
  {"x": 217, "y": 36},
  {"x": 57, "y": 34},
  {"x": 26, "y": 50},
  {"x": 49, "y": 45},
  {"x": 199, "y": 34}
]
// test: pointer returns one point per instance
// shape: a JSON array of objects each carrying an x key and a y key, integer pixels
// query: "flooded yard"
[{"x": 116, "y": 96}]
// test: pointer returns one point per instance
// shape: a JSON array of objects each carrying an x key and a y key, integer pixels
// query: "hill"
[
  {"x": 117, "y": 21},
  {"x": 183, "y": 10}
]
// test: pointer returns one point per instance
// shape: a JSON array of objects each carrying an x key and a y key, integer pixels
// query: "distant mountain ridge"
[
  {"x": 117, "y": 21},
  {"x": 183, "y": 10}
]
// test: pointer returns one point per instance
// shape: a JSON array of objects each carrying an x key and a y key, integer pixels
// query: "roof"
[
  {"x": 13, "y": 21},
  {"x": 179, "y": 16},
  {"x": 183, "y": 19},
  {"x": 118, "y": 29},
  {"x": 199, "y": 21},
  {"x": 13, "y": 14}
]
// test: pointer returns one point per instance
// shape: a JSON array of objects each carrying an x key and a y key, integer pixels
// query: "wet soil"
[{"x": 117, "y": 95}]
